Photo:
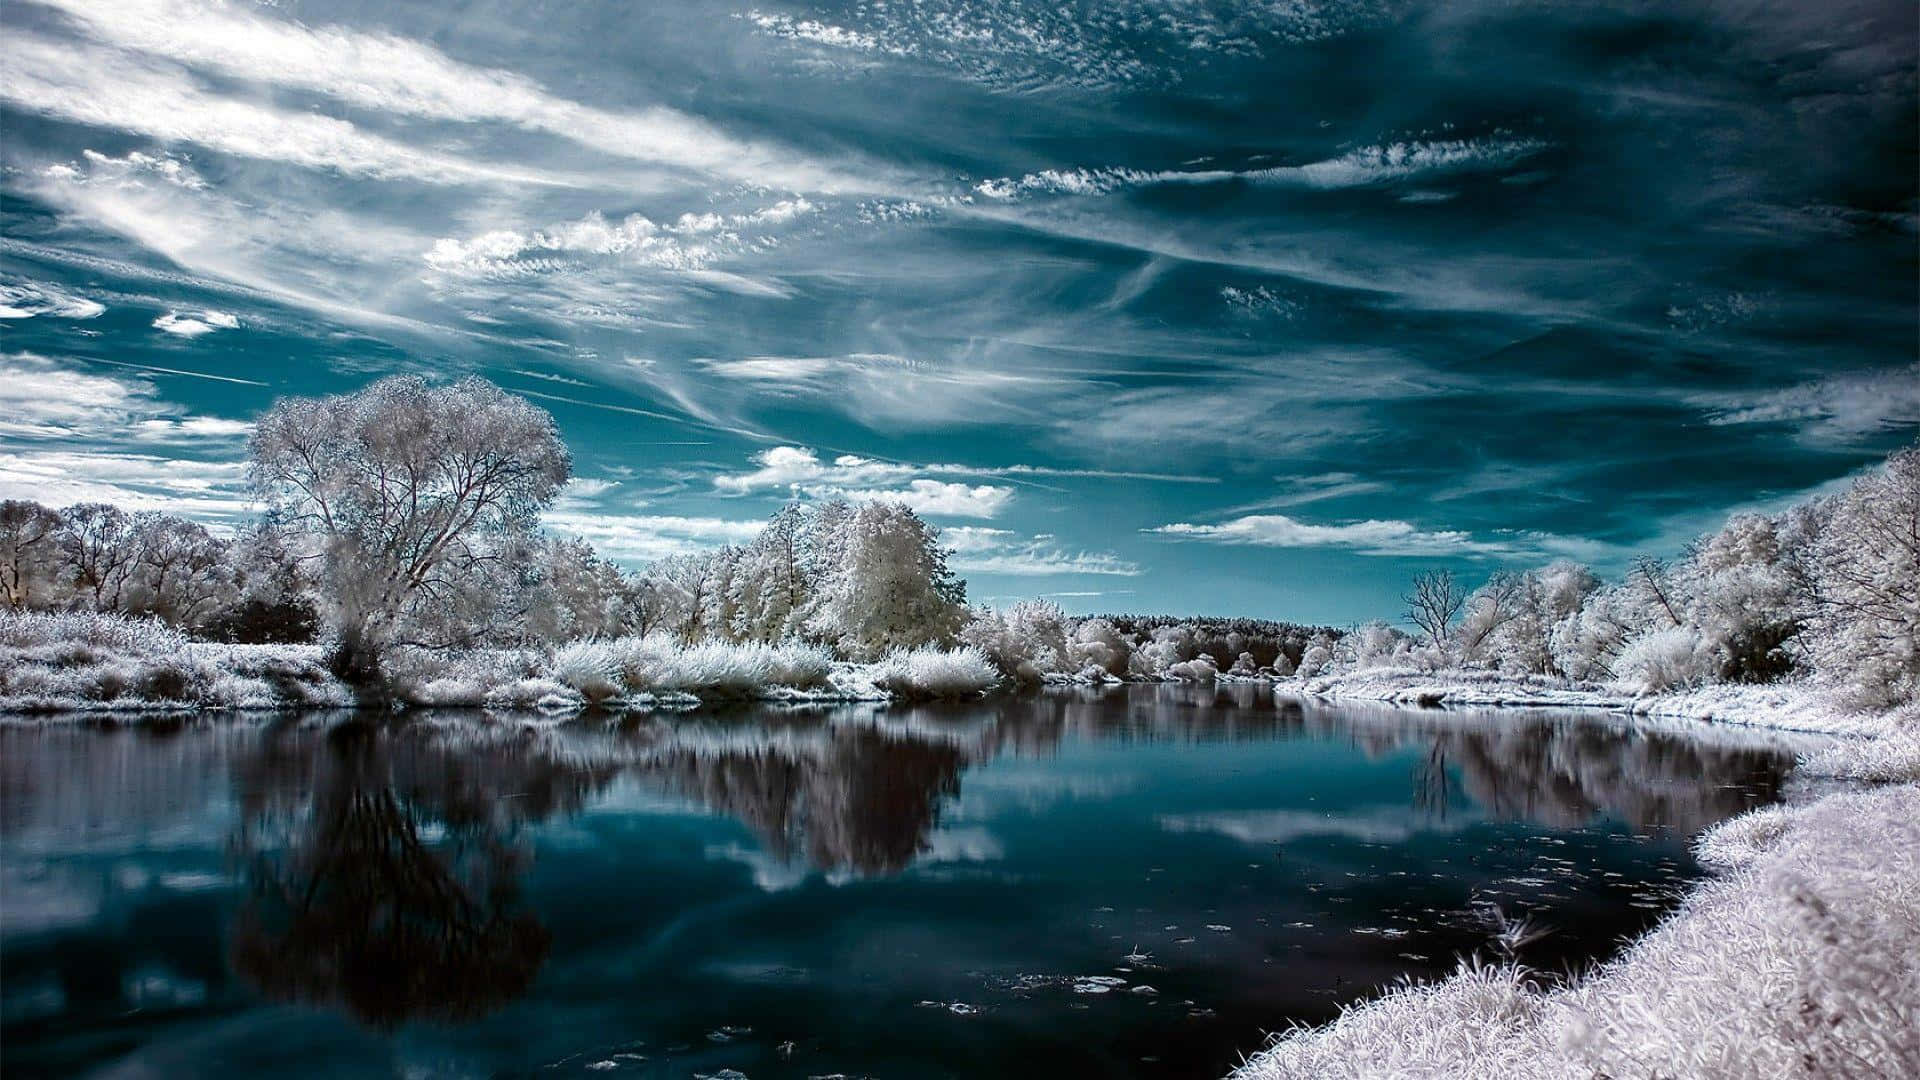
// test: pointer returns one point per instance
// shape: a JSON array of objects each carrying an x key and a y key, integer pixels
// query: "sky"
[{"x": 1178, "y": 306}]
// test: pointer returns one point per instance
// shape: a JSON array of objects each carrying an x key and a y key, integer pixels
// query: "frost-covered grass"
[
  {"x": 79, "y": 663},
  {"x": 1798, "y": 961},
  {"x": 82, "y": 662},
  {"x": 919, "y": 674},
  {"x": 605, "y": 670}
]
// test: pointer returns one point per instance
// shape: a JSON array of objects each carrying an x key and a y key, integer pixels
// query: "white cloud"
[
  {"x": 687, "y": 245},
  {"x": 108, "y": 89},
  {"x": 800, "y": 470},
  {"x": 933, "y": 497},
  {"x": 1365, "y": 537},
  {"x": 1839, "y": 409},
  {"x": 206, "y": 489},
  {"x": 136, "y": 166},
  {"x": 191, "y": 429},
  {"x": 395, "y": 75},
  {"x": 1356, "y": 168},
  {"x": 42, "y": 399},
  {"x": 791, "y": 466},
  {"x": 815, "y": 32},
  {"x": 26, "y": 299},
  {"x": 637, "y": 538},
  {"x": 192, "y": 326}
]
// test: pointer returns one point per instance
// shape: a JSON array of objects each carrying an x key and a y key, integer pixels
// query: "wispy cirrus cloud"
[
  {"x": 642, "y": 538},
  {"x": 116, "y": 90},
  {"x": 981, "y": 550},
  {"x": 394, "y": 75},
  {"x": 28, "y": 299},
  {"x": 1382, "y": 164},
  {"x": 793, "y": 467},
  {"x": 1838, "y": 409}
]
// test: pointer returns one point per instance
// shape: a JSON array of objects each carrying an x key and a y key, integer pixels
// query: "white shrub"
[
  {"x": 936, "y": 673},
  {"x": 1667, "y": 659}
]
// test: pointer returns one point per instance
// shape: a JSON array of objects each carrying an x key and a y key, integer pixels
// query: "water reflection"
[
  {"x": 444, "y": 868},
  {"x": 382, "y": 873}
]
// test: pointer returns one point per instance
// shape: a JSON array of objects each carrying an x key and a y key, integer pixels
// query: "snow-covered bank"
[
  {"x": 1792, "y": 706},
  {"x": 1798, "y": 961},
  {"x": 96, "y": 664}
]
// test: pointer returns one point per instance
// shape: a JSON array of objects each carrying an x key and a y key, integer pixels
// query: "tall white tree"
[
  {"x": 891, "y": 589},
  {"x": 405, "y": 490}
]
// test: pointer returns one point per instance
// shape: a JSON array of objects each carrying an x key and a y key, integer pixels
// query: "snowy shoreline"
[
  {"x": 1788, "y": 706},
  {"x": 1795, "y": 959}
]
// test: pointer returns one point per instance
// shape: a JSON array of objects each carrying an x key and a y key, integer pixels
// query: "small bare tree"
[
  {"x": 1434, "y": 603},
  {"x": 407, "y": 492}
]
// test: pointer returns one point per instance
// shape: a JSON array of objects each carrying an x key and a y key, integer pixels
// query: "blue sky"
[{"x": 1192, "y": 307}]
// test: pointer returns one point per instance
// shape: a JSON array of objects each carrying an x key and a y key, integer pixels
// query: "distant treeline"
[{"x": 1225, "y": 639}]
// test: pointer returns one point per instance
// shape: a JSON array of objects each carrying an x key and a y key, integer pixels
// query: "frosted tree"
[
  {"x": 97, "y": 554},
  {"x": 405, "y": 489},
  {"x": 181, "y": 572},
  {"x": 1489, "y": 609},
  {"x": 1433, "y": 604},
  {"x": 1866, "y": 623},
  {"x": 571, "y": 592},
  {"x": 1746, "y": 602},
  {"x": 1510, "y": 621},
  {"x": 678, "y": 589},
  {"x": 892, "y": 588},
  {"x": 29, "y": 554},
  {"x": 773, "y": 586}
]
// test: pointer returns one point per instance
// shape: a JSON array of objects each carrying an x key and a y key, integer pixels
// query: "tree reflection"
[
  {"x": 847, "y": 798},
  {"x": 383, "y": 871},
  {"x": 1563, "y": 771}
]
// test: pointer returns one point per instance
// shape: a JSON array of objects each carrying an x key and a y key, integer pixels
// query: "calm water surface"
[{"x": 1136, "y": 881}]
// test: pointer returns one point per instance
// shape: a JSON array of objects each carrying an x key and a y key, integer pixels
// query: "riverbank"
[
  {"x": 1797, "y": 705},
  {"x": 1795, "y": 961}
]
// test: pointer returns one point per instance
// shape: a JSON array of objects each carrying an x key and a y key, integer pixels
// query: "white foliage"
[{"x": 936, "y": 673}]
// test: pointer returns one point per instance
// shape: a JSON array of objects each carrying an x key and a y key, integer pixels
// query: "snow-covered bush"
[
  {"x": 1167, "y": 646},
  {"x": 1027, "y": 641},
  {"x": 914, "y": 674},
  {"x": 591, "y": 668},
  {"x": 1375, "y": 644},
  {"x": 1200, "y": 669},
  {"x": 1316, "y": 660},
  {"x": 88, "y": 660},
  {"x": 1098, "y": 644},
  {"x": 1667, "y": 659}
]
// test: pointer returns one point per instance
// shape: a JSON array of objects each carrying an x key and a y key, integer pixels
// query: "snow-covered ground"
[{"x": 1792, "y": 706}]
